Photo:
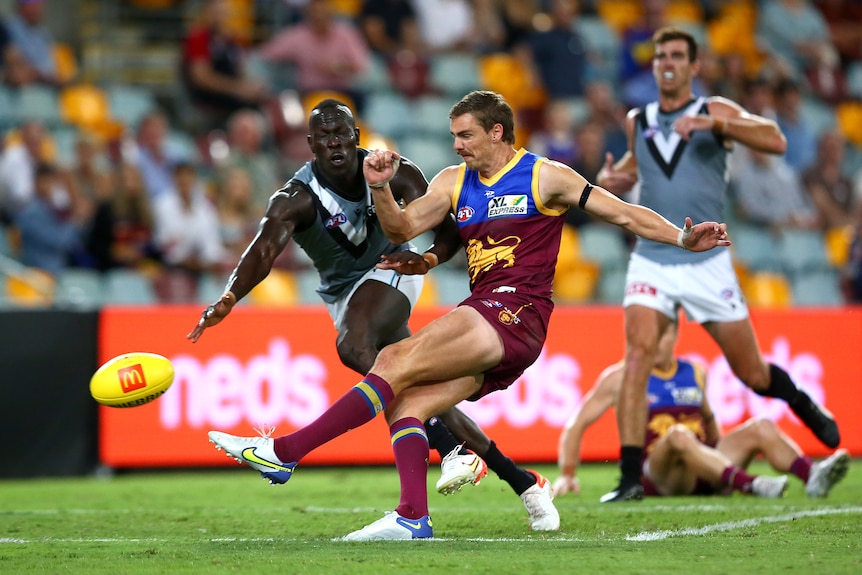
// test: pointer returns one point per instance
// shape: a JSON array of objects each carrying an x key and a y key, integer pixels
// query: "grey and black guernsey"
[
  {"x": 678, "y": 178},
  {"x": 345, "y": 240}
]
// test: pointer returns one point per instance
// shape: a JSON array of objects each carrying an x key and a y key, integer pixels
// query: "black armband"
[{"x": 585, "y": 195}]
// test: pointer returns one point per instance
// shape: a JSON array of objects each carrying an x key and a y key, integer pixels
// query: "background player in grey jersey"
[
  {"x": 326, "y": 209},
  {"x": 677, "y": 151}
]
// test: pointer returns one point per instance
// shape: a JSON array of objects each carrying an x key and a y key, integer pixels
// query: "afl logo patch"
[
  {"x": 335, "y": 221},
  {"x": 650, "y": 133},
  {"x": 465, "y": 213}
]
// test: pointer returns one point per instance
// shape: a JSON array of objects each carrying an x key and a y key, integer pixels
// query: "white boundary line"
[
  {"x": 644, "y": 536},
  {"x": 731, "y": 525}
]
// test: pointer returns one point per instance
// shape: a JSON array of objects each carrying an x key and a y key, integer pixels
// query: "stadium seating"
[
  {"x": 37, "y": 103},
  {"x": 817, "y": 288},
  {"x": 182, "y": 145},
  {"x": 755, "y": 247},
  {"x": 29, "y": 287},
  {"x": 279, "y": 289},
  {"x": 431, "y": 155},
  {"x": 376, "y": 76},
  {"x": 209, "y": 288},
  {"x": 604, "y": 244},
  {"x": 577, "y": 283},
  {"x": 128, "y": 287},
  {"x": 570, "y": 249},
  {"x": 854, "y": 80},
  {"x": 113, "y": 88},
  {"x": 619, "y": 14},
  {"x": 767, "y": 290},
  {"x": 65, "y": 62},
  {"x": 505, "y": 74},
  {"x": 603, "y": 43},
  {"x": 306, "y": 283},
  {"x": 818, "y": 115},
  {"x": 387, "y": 113},
  {"x": 455, "y": 74},
  {"x": 849, "y": 118},
  {"x": 87, "y": 106},
  {"x": 802, "y": 252},
  {"x": 430, "y": 116},
  {"x": 429, "y": 296},
  {"x": 6, "y": 249},
  {"x": 838, "y": 242},
  {"x": 453, "y": 284},
  {"x": 128, "y": 104},
  {"x": 79, "y": 288},
  {"x": 612, "y": 285}
]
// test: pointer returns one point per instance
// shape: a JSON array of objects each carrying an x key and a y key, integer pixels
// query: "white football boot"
[
  {"x": 393, "y": 527},
  {"x": 825, "y": 474},
  {"x": 459, "y": 470},
  {"x": 538, "y": 500},
  {"x": 766, "y": 486},
  {"x": 256, "y": 452}
]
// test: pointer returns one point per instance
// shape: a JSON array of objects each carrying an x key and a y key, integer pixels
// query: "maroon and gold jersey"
[
  {"x": 511, "y": 238},
  {"x": 675, "y": 397}
]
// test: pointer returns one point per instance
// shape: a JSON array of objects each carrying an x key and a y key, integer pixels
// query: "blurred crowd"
[{"x": 122, "y": 196}]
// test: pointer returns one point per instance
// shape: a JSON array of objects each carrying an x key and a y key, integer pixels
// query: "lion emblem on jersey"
[
  {"x": 661, "y": 423},
  {"x": 482, "y": 256}
]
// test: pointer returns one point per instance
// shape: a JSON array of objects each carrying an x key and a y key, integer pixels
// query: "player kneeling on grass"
[{"x": 685, "y": 453}]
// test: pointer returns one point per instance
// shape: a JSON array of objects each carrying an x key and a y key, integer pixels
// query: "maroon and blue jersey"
[
  {"x": 511, "y": 238},
  {"x": 675, "y": 397}
]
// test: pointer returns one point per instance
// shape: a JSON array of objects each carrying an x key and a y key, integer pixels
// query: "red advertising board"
[{"x": 279, "y": 367}]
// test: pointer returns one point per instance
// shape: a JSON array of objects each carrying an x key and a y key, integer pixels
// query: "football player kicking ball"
[
  {"x": 510, "y": 207},
  {"x": 685, "y": 453},
  {"x": 326, "y": 208}
]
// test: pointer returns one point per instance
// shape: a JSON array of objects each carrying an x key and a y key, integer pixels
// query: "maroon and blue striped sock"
[
  {"x": 410, "y": 445},
  {"x": 801, "y": 468},
  {"x": 737, "y": 479},
  {"x": 356, "y": 407}
]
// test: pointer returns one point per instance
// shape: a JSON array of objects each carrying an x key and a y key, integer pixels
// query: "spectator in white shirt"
[{"x": 187, "y": 225}]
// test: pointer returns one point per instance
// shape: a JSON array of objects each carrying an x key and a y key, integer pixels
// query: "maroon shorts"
[
  {"x": 522, "y": 322},
  {"x": 701, "y": 487}
]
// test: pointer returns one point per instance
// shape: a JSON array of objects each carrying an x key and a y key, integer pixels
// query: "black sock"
[
  {"x": 518, "y": 478},
  {"x": 780, "y": 385},
  {"x": 630, "y": 464},
  {"x": 440, "y": 438}
]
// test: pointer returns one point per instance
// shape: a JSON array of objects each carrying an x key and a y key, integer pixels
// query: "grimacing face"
[
  {"x": 333, "y": 138},
  {"x": 472, "y": 142}
]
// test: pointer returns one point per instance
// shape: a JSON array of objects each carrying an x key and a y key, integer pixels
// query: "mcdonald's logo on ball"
[{"x": 132, "y": 379}]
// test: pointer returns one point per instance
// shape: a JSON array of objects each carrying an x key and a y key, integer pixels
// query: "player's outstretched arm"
[
  {"x": 648, "y": 224},
  {"x": 710, "y": 425},
  {"x": 288, "y": 209},
  {"x": 561, "y": 186},
  {"x": 597, "y": 401}
]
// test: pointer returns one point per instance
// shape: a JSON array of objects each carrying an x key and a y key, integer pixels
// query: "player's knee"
[
  {"x": 389, "y": 356},
  {"x": 764, "y": 428},
  {"x": 357, "y": 355},
  {"x": 755, "y": 378},
  {"x": 640, "y": 350},
  {"x": 680, "y": 438}
]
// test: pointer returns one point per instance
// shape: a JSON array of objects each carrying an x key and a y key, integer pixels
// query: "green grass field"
[{"x": 231, "y": 521}]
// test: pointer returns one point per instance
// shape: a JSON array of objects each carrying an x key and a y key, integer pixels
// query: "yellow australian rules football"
[{"x": 132, "y": 379}]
